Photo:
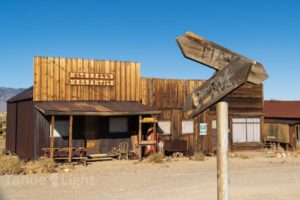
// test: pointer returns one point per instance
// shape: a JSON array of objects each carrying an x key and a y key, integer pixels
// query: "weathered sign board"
[
  {"x": 233, "y": 70},
  {"x": 197, "y": 48}
]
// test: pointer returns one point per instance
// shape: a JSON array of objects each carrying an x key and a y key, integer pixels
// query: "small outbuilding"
[{"x": 282, "y": 122}]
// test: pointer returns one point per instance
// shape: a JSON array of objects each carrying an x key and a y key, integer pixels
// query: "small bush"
[
  {"x": 155, "y": 158},
  {"x": 10, "y": 165},
  {"x": 44, "y": 165},
  {"x": 199, "y": 156}
]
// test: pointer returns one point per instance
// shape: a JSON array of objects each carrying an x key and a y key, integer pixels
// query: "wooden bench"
[
  {"x": 174, "y": 146},
  {"x": 81, "y": 150}
]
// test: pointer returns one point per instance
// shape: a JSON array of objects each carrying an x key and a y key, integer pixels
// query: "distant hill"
[{"x": 5, "y": 94}]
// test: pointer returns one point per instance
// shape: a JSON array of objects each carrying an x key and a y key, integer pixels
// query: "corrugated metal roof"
[
  {"x": 282, "y": 109},
  {"x": 22, "y": 96},
  {"x": 102, "y": 108}
]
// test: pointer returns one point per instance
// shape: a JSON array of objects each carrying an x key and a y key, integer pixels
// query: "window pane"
[
  {"x": 239, "y": 133},
  {"x": 187, "y": 126},
  {"x": 118, "y": 125},
  {"x": 253, "y": 130},
  {"x": 164, "y": 127},
  {"x": 238, "y": 120},
  {"x": 61, "y": 128}
]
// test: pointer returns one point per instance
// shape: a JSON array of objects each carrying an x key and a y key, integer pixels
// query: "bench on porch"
[{"x": 81, "y": 151}]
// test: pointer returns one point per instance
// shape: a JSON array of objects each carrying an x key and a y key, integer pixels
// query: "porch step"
[{"x": 102, "y": 155}]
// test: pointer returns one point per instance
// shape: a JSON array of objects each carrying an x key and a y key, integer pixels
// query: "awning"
[{"x": 100, "y": 108}]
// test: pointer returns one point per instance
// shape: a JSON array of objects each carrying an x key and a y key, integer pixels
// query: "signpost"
[{"x": 233, "y": 70}]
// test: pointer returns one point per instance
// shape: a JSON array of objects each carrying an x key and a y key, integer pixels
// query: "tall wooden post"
[
  {"x": 222, "y": 150},
  {"x": 52, "y": 136},
  {"x": 70, "y": 139},
  {"x": 140, "y": 137}
]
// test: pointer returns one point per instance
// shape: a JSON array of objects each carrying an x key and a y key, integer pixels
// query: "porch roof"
[{"x": 100, "y": 108}]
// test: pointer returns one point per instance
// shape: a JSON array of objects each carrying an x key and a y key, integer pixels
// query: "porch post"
[
  {"x": 52, "y": 136},
  {"x": 70, "y": 138},
  {"x": 140, "y": 137}
]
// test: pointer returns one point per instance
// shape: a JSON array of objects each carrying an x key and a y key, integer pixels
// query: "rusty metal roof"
[
  {"x": 101, "y": 108},
  {"x": 22, "y": 96},
  {"x": 282, "y": 109}
]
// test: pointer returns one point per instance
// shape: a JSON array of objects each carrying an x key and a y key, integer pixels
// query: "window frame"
[
  {"x": 114, "y": 132},
  {"x": 187, "y": 120},
  {"x": 246, "y": 123},
  {"x": 170, "y": 125}
]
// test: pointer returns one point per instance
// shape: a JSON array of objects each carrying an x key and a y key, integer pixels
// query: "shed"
[{"x": 282, "y": 120}]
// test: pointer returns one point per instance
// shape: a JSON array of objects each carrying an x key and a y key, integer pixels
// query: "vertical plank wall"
[
  {"x": 168, "y": 95},
  {"x": 52, "y": 80}
]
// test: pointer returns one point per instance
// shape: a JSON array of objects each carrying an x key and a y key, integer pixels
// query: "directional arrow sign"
[
  {"x": 218, "y": 86},
  {"x": 215, "y": 56},
  {"x": 233, "y": 70}
]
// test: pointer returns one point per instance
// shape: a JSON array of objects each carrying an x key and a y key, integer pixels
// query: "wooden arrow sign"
[
  {"x": 215, "y": 56},
  {"x": 218, "y": 86}
]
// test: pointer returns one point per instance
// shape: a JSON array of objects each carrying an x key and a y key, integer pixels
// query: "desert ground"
[{"x": 259, "y": 176}]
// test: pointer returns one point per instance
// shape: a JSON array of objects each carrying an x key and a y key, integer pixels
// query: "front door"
[{"x": 91, "y": 135}]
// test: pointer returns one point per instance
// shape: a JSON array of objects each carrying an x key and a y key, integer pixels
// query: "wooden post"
[
  {"x": 155, "y": 137},
  {"x": 52, "y": 137},
  {"x": 70, "y": 139},
  {"x": 140, "y": 137},
  {"x": 222, "y": 150}
]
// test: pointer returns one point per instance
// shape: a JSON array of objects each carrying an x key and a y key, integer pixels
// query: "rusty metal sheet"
[{"x": 101, "y": 108}]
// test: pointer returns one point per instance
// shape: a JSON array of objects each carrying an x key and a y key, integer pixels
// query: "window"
[
  {"x": 164, "y": 127},
  {"x": 298, "y": 133},
  {"x": 61, "y": 128},
  {"x": 118, "y": 125},
  {"x": 187, "y": 126},
  {"x": 246, "y": 130}
]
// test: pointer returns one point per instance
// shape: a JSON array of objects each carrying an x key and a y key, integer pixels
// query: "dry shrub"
[
  {"x": 199, "y": 156},
  {"x": 10, "y": 164},
  {"x": 295, "y": 154},
  {"x": 45, "y": 165},
  {"x": 243, "y": 156},
  {"x": 155, "y": 158}
]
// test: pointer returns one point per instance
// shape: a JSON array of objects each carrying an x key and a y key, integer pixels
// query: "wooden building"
[
  {"x": 282, "y": 123},
  {"x": 246, "y": 115},
  {"x": 96, "y": 104}
]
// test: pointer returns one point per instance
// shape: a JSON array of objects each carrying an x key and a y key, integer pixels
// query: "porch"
[{"x": 79, "y": 130}]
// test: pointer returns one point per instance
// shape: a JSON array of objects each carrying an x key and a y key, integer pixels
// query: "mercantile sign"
[{"x": 92, "y": 79}]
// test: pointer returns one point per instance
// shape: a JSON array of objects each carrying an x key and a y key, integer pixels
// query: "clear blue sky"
[{"x": 145, "y": 31}]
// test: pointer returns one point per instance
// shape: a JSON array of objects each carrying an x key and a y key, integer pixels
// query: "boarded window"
[
  {"x": 246, "y": 130},
  {"x": 61, "y": 128},
  {"x": 118, "y": 124},
  {"x": 187, "y": 126},
  {"x": 164, "y": 127}
]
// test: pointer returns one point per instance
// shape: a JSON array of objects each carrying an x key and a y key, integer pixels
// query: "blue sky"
[{"x": 145, "y": 31}]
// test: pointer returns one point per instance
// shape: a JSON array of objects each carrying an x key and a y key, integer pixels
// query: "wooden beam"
[
  {"x": 199, "y": 49},
  {"x": 70, "y": 139},
  {"x": 52, "y": 137},
  {"x": 140, "y": 137}
]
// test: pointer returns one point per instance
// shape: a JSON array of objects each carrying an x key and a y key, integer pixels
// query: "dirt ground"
[{"x": 257, "y": 177}]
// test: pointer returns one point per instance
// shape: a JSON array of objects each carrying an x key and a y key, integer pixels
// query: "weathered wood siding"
[
  {"x": 245, "y": 100},
  {"x": 52, "y": 80},
  {"x": 169, "y": 96}
]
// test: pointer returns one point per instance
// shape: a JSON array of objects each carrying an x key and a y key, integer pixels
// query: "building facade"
[{"x": 101, "y": 102}]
